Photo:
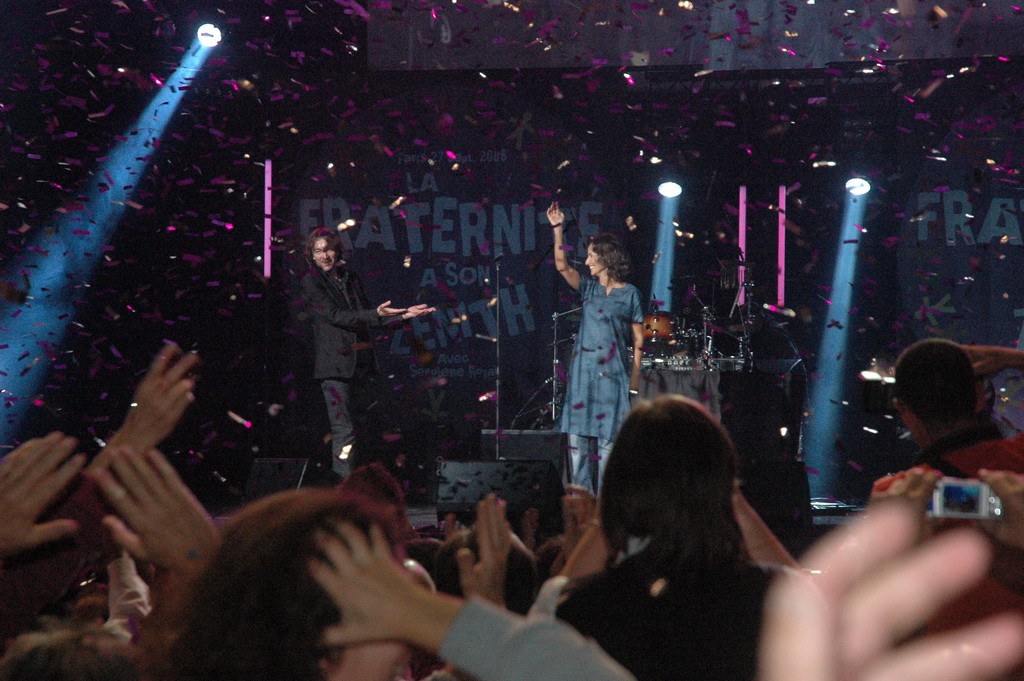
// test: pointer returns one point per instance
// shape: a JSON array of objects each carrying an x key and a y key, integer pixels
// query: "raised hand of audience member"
[
  {"x": 32, "y": 477},
  {"x": 1007, "y": 530},
  {"x": 486, "y": 577},
  {"x": 529, "y": 524},
  {"x": 160, "y": 401},
  {"x": 865, "y": 594},
  {"x": 913, "y": 488},
  {"x": 451, "y": 525},
  {"x": 380, "y": 601},
  {"x": 586, "y": 550},
  {"x": 579, "y": 517},
  {"x": 579, "y": 511},
  {"x": 159, "y": 520},
  {"x": 991, "y": 359}
]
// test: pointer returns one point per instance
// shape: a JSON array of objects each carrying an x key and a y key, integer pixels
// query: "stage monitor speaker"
[
  {"x": 522, "y": 484},
  {"x": 780, "y": 493},
  {"x": 539, "y": 445},
  {"x": 268, "y": 476}
]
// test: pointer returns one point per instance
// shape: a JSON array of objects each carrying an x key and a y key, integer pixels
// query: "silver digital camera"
[{"x": 965, "y": 499}]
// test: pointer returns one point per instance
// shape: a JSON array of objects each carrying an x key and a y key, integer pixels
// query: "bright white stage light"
[
  {"x": 858, "y": 186},
  {"x": 209, "y": 35},
  {"x": 670, "y": 189}
]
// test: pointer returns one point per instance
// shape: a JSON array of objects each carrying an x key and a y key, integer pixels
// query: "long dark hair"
[
  {"x": 669, "y": 479},
  {"x": 609, "y": 249},
  {"x": 255, "y": 613}
]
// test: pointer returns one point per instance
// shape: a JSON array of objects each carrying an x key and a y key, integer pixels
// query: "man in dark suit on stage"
[{"x": 342, "y": 319}]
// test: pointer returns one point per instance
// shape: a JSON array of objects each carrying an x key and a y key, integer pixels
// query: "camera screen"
[{"x": 961, "y": 498}]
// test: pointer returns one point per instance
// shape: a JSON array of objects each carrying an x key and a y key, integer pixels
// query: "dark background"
[{"x": 286, "y": 84}]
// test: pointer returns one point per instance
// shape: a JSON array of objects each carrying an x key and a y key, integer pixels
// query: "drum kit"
[{"x": 696, "y": 340}]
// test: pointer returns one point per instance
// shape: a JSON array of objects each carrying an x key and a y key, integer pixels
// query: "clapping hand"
[
  {"x": 579, "y": 510},
  {"x": 31, "y": 478},
  {"x": 380, "y": 601},
  {"x": 485, "y": 577},
  {"x": 158, "y": 518},
  {"x": 160, "y": 401}
]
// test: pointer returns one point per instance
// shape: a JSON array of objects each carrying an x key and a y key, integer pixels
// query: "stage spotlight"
[
  {"x": 858, "y": 186},
  {"x": 208, "y": 35},
  {"x": 670, "y": 189}
]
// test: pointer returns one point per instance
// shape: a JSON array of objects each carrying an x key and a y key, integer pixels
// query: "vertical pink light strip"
[
  {"x": 743, "y": 243},
  {"x": 268, "y": 172},
  {"x": 781, "y": 300}
]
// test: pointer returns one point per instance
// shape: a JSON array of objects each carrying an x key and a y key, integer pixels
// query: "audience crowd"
[{"x": 111, "y": 569}]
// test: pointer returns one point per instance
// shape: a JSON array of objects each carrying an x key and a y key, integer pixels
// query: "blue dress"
[{"x": 597, "y": 397}]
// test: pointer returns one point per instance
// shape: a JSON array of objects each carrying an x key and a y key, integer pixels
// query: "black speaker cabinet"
[
  {"x": 274, "y": 475},
  {"x": 522, "y": 484},
  {"x": 779, "y": 492},
  {"x": 539, "y": 445}
]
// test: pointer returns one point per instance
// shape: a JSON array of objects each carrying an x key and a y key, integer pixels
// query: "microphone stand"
[
  {"x": 554, "y": 359},
  {"x": 498, "y": 254}
]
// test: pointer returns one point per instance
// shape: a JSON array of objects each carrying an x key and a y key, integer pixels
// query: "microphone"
[{"x": 784, "y": 311}]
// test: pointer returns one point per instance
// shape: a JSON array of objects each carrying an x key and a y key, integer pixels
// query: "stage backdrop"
[
  {"x": 960, "y": 255},
  {"x": 433, "y": 191}
]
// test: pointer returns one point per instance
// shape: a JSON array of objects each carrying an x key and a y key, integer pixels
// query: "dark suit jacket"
[{"x": 339, "y": 325}]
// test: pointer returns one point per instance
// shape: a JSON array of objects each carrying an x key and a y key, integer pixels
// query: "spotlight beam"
[
  {"x": 60, "y": 262},
  {"x": 661, "y": 282},
  {"x": 826, "y": 394}
]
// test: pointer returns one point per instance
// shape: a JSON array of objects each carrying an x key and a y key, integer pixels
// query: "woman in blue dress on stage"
[{"x": 603, "y": 371}]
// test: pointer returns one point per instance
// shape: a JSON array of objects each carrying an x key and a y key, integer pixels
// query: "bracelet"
[{"x": 556, "y": 226}]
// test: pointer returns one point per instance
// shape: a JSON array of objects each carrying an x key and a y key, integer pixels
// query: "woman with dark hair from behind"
[
  {"x": 682, "y": 599},
  {"x": 255, "y": 612}
]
